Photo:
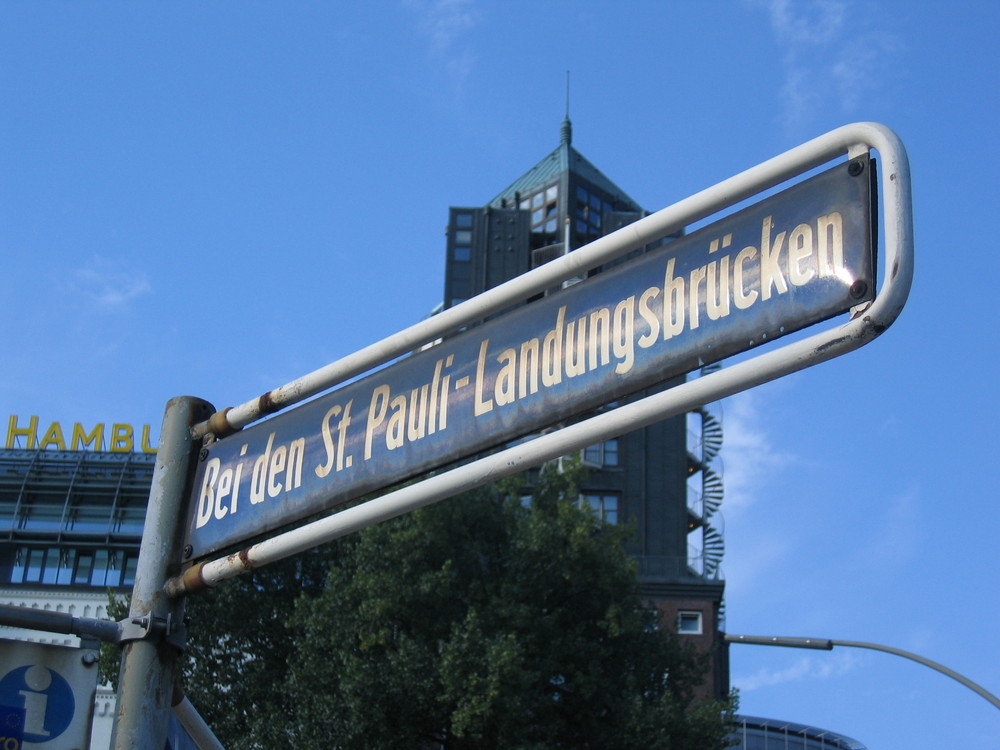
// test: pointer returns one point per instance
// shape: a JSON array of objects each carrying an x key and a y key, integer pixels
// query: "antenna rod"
[{"x": 567, "y": 94}]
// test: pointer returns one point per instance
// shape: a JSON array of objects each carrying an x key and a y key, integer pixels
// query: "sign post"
[{"x": 149, "y": 654}]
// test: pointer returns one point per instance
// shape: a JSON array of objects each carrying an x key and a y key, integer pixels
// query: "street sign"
[
  {"x": 789, "y": 261},
  {"x": 46, "y": 696}
]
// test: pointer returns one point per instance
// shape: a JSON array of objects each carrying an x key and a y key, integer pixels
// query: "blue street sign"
[{"x": 787, "y": 262}]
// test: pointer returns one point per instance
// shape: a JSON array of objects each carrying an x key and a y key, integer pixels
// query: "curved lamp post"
[{"x": 827, "y": 644}]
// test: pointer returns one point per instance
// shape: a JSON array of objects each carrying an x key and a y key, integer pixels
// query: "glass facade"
[
  {"x": 72, "y": 518},
  {"x": 754, "y": 733},
  {"x": 69, "y": 566}
]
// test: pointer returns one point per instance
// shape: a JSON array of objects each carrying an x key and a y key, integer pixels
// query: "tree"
[
  {"x": 479, "y": 622},
  {"x": 236, "y": 662}
]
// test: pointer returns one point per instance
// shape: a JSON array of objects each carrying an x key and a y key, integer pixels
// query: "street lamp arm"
[{"x": 827, "y": 644}]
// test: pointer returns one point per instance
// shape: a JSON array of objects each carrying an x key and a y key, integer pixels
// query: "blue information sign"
[
  {"x": 787, "y": 262},
  {"x": 44, "y": 696}
]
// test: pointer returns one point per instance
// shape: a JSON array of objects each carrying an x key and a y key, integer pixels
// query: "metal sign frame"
[
  {"x": 867, "y": 322},
  {"x": 149, "y": 655},
  {"x": 793, "y": 259}
]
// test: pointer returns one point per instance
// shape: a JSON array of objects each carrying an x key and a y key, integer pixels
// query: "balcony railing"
[{"x": 674, "y": 567}]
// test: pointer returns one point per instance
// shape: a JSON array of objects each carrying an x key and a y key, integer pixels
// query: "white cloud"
[
  {"x": 809, "y": 22},
  {"x": 748, "y": 453},
  {"x": 862, "y": 67},
  {"x": 823, "y": 667},
  {"x": 894, "y": 537},
  {"x": 447, "y": 24},
  {"x": 444, "y": 22},
  {"x": 110, "y": 285},
  {"x": 830, "y": 55},
  {"x": 752, "y": 562}
]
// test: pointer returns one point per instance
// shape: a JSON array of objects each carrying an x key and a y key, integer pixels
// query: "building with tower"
[
  {"x": 662, "y": 479},
  {"x": 70, "y": 526},
  {"x": 72, "y": 511}
]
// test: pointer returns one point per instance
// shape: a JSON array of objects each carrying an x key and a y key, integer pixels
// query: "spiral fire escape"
[{"x": 706, "y": 546}]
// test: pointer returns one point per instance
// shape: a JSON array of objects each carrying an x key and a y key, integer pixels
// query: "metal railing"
[{"x": 673, "y": 567}]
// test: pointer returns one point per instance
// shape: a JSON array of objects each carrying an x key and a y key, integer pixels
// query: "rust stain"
[
  {"x": 244, "y": 555},
  {"x": 266, "y": 403}
]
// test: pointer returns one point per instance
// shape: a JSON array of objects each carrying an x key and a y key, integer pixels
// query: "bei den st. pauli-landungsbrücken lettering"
[{"x": 792, "y": 260}]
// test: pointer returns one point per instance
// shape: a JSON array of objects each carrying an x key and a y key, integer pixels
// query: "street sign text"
[{"x": 787, "y": 262}]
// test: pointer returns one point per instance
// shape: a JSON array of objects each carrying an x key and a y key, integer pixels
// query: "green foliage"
[
  {"x": 109, "y": 661},
  {"x": 476, "y": 623},
  {"x": 239, "y": 649}
]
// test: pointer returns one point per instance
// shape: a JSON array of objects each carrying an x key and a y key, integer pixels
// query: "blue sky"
[{"x": 214, "y": 199}]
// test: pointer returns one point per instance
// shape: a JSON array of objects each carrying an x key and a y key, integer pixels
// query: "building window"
[
  {"x": 41, "y": 517},
  {"x": 689, "y": 622},
  {"x": 36, "y": 561},
  {"x": 131, "y": 565},
  {"x": 90, "y": 519},
  {"x": 129, "y": 520},
  {"x": 99, "y": 572},
  {"x": 603, "y": 505},
  {"x": 602, "y": 454},
  {"x": 66, "y": 566},
  {"x": 589, "y": 212},
  {"x": 544, "y": 207},
  {"x": 463, "y": 220},
  {"x": 84, "y": 565},
  {"x": 66, "y": 561}
]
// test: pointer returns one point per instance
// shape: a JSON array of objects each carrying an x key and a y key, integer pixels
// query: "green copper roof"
[{"x": 564, "y": 158}]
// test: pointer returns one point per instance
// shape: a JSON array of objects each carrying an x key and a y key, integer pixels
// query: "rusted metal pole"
[{"x": 149, "y": 654}]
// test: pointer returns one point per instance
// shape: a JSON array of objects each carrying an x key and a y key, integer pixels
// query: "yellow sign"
[{"x": 122, "y": 438}]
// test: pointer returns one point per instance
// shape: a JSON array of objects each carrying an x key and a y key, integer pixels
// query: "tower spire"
[{"x": 566, "y": 131}]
